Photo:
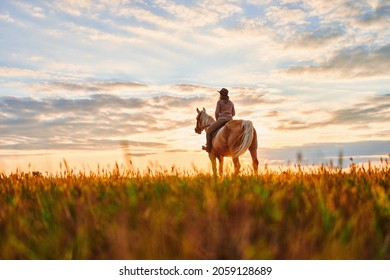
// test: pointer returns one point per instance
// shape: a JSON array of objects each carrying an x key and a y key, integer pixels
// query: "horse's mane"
[{"x": 209, "y": 119}]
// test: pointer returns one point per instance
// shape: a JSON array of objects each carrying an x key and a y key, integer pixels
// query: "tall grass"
[{"x": 324, "y": 213}]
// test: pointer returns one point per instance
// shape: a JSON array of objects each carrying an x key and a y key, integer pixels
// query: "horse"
[{"x": 232, "y": 140}]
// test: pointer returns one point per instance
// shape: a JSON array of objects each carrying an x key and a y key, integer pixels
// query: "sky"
[{"x": 105, "y": 81}]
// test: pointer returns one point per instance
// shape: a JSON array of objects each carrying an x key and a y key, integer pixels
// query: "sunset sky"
[{"x": 93, "y": 81}]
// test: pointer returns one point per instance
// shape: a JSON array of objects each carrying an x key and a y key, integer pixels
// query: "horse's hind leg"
[
  {"x": 253, "y": 151},
  {"x": 237, "y": 165},
  {"x": 220, "y": 159},
  {"x": 255, "y": 161}
]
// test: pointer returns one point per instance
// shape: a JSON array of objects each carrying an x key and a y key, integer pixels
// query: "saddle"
[
  {"x": 218, "y": 129},
  {"x": 209, "y": 138}
]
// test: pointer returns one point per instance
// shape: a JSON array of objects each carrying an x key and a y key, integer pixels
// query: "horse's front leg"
[
  {"x": 237, "y": 165},
  {"x": 220, "y": 159},
  {"x": 213, "y": 163}
]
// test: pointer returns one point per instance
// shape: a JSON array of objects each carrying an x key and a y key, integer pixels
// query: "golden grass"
[{"x": 325, "y": 213}]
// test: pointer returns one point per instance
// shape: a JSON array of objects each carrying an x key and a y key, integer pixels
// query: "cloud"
[
  {"x": 101, "y": 121},
  {"x": 174, "y": 102},
  {"x": 372, "y": 111},
  {"x": 318, "y": 38},
  {"x": 99, "y": 72},
  {"x": 333, "y": 10},
  {"x": 271, "y": 114},
  {"x": 185, "y": 88},
  {"x": 177, "y": 151},
  {"x": 87, "y": 87},
  {"x": 78, "y": 144},
  {"x": 283, "y": 16},
  {"x": 7, "y": 18},
  {"x": 297, "y": 125},
  {"x": 15, "y": 72},
  {"x": 88, "y": 34},
  {"x": 34, "y": 11},
  {"x": 332, "y": 26},
  {"x": 324, "y": 153},
  {"x": 81, "y": 7},
  {"x": 203, "y": 13},
  {"x": 54, "y": 123},
  {"x": 358, "y": 62},
  {"x": 93, "y": 122},
  {"x": 251, "y": 99},
  {"x": 44, "y": 73},
  {"x": 379, "y": 14}
]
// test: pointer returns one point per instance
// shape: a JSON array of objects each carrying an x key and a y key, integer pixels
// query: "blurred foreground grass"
[{"x": 320, "y": 214}]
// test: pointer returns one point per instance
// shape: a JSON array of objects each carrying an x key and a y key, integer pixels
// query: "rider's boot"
[{"x": 207, "y": 148}]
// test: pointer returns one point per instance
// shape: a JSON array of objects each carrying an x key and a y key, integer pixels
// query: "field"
[{"x": 319, "y": 213}]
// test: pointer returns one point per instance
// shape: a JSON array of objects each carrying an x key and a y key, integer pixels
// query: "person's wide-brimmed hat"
[{"x": 223, "y": 92}]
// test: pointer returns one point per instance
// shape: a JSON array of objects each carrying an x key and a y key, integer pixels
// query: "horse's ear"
[
  {"x": 197, "y": 110},
  {"x": 204, "y": 109}
]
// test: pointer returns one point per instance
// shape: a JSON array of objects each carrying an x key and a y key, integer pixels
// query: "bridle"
[{"x": 199, "y": 128}]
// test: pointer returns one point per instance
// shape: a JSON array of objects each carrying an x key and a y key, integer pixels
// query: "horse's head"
[{"x": 200, "y": 120}]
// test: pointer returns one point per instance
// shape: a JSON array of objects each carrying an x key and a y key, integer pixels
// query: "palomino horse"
[{"x": 232, "y": 140}]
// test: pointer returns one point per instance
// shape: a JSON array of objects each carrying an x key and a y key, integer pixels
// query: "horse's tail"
[{"x": 247, "y": 138}]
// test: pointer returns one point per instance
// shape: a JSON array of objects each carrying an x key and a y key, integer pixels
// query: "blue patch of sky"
[
  {"x": 294, "y": 6},
  {"x": 18, "y": 46},
  {"x": 230, "y": 22},
  {"x": 7, "y": 7},
  {"x": 6, "y": 90},
  {"x": 384, "y": 11},
  {"x": 367, "y": 15},
  {"x": 4, "y": 4},
  {"x": 157, "y": 10},
  {"x": 187, "y": 2},
  {"x": 254, "y": 11},
  {"x": 125, "y": 21},
  {"x": 313, "y": 23},
  {"x": 25, "y": 40}
]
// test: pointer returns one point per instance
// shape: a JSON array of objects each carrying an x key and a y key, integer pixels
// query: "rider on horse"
[{"x": 224, "y": 112}]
